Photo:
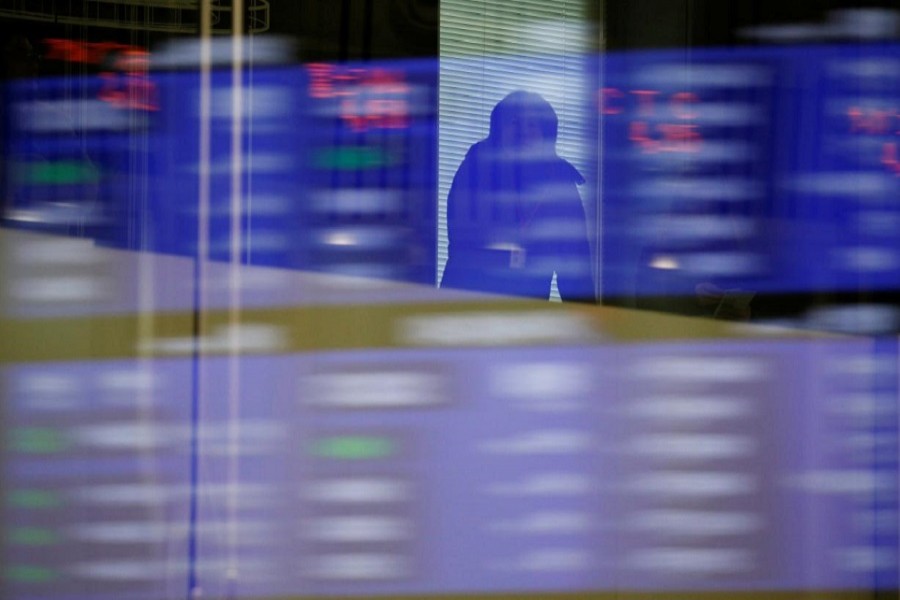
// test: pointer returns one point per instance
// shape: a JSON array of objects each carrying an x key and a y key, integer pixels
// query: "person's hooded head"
[{"x": 523, "y": 122}]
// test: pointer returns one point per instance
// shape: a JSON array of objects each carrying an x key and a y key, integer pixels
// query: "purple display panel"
[
  {"x": 738, "y": 472},
  {"x": 844, "y": 471},
  {"x": 715, "y": 465},
  {"x": 96, "y": 479},
  {"x": 700, "y": 465},
  {"x": 499, "y": 457}
]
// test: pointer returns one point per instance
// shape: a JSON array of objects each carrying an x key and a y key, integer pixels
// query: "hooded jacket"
[{"x": 514, "y": 214}]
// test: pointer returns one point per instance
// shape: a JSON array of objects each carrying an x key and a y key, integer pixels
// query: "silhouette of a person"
[{"x": 514, "y": 214}]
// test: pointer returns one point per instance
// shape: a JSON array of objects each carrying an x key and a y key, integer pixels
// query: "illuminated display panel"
[
  {"x": 69, "y": 153},
  {"x": 370, "y": 152},
  {"x": 338, "y": 165},
  {"x": 649, "y": 466},
  {"x": 764, "y": 170}
]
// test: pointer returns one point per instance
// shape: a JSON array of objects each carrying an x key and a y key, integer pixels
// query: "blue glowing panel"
[
  {"x": 337, "y": 169},
  {"x": 761, "y": 170},
  {"x": 843, "y": 175},
  {"x": 687, "y": 158},
  {"x": 266, "y": 193},
  {"x": 370, "y": 160},
  {"x": 68, "y": 148}
]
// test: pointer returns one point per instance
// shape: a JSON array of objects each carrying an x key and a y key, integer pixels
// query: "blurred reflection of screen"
[
  {"x": 121, "y": 160},
  {"x": 428, "y": 464},
  {"x": 767, "y": 170}
]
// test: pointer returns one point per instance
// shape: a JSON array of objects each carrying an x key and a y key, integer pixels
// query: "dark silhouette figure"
[{"x": 514, "y": 215}]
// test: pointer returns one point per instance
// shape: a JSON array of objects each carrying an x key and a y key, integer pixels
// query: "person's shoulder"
[
  {"x": 557, "y": 170},
  {"x": 480, "y": 158},
  {"x": 567, "y": 171},
  {"x": 476, "y": 151}
]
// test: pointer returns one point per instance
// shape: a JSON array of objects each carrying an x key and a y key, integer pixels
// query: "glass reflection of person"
[{"x": 514, "y": 214}]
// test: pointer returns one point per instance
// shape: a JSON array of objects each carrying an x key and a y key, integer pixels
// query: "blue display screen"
[
  {"x": 752, "y": 169},
  {"x": 762, "y": 169},
  {"x": 337, "y": 166}
]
